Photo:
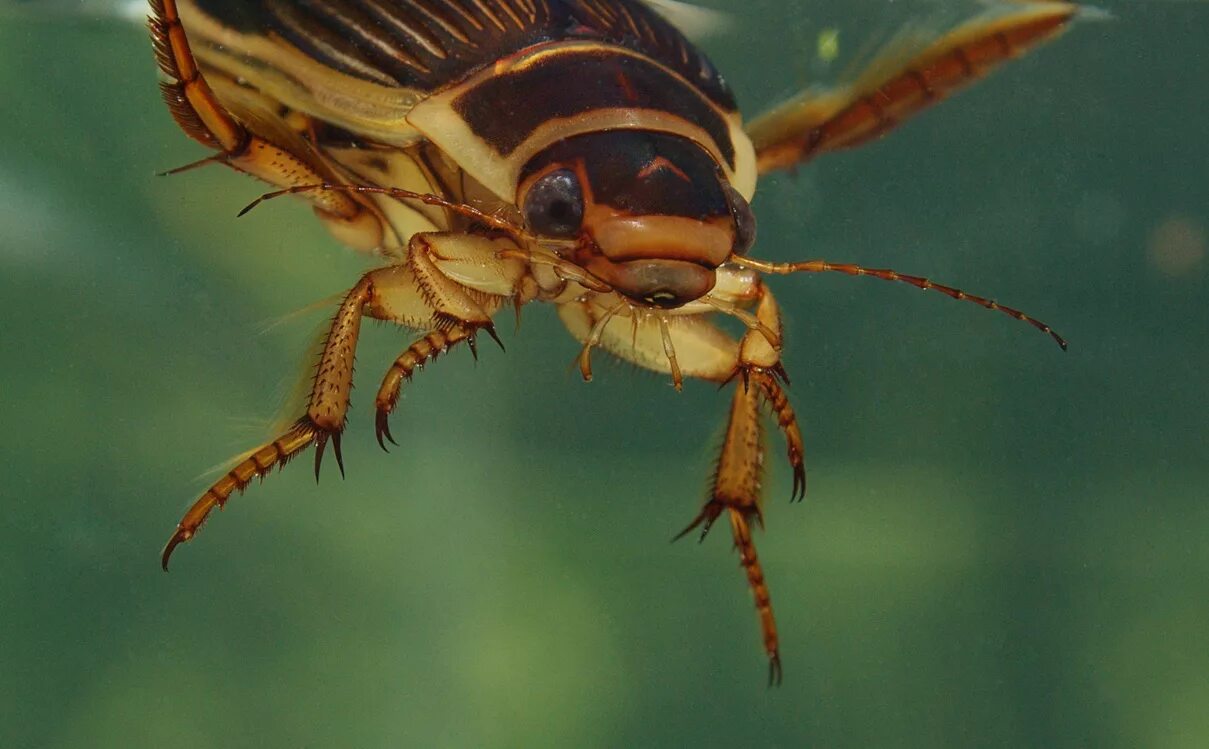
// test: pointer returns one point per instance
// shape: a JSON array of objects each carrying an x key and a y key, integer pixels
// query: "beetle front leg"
[
  {"x": 423, "y": 350},
  {"x": 465, "y": 279},
  {"x": 738, "y": 479},
  {"x": 760, "y": 367},
  {"x": 760, "y": 355}
]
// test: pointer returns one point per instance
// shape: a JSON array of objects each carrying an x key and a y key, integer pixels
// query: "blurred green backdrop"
[{"x": 1003, "y": 545}]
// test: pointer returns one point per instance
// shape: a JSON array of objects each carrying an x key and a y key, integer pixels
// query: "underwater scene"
[{"x": 1002, "y": 544}]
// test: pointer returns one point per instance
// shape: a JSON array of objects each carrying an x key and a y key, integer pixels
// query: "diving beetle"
[{"x": 581, "y": 153}]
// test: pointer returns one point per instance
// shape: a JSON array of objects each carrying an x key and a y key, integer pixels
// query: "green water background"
[{"x": 1004, "y": 545}]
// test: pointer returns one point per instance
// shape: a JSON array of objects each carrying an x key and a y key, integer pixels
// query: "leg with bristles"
[
  {"x": 323, "y": 421},
  {"x": 420, "y": 294},
  {"x": 760, "y": 367},
  {"x": 424, "y": 350},
  {"x": 737, "y": 491},
  {"x": 777, "y": 401},
  {"x": 463, "y": 307},
  {"x": 690, "y": 343}
]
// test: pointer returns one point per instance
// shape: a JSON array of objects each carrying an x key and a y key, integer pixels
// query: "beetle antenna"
[
  {"x": 469, "y": 211},
  {"x": 822, "y": 266},
  {"x": 214, "y": 159}
]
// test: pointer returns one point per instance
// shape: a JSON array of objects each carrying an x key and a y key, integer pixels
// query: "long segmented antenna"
[
  {"x": 822, "y": 266},
  {"x": 469, "y": 211}
]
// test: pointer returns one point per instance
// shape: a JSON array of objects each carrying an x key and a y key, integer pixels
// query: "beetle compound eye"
[
  {"x": 745, "y": 221},
  {"x": 555, "y": 205}
]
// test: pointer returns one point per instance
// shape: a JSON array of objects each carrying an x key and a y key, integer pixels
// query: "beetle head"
[{"x": 653, "y": 214}]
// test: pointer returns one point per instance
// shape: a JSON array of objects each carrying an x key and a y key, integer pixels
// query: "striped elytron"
[{"x": 581, "y": 153}]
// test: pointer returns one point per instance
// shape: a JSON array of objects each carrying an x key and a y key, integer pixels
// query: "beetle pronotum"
[{"x": 442, "y": 135}]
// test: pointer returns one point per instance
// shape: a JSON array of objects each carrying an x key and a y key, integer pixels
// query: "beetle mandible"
[{"x": 581, "y": 153}]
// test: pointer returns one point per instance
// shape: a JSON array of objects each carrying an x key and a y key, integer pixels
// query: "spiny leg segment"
[
  {"x": 424, "y": 350},
  {"x": 777, "y": 402},
  {"x": 417, "y": 295},
  {"x": 737, "y": 490}
]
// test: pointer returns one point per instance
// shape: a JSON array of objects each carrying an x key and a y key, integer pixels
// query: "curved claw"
[
  {"x": 779, "y": 372},
  {"x": 320, "y": 443},
  {"x": 490, "y": 328},
  {"x": 705, "y": 519},
  {"x": 382, "y": 429},
  {"x": 179, "y": 537},
  {"x": 320, "y": 446},
  {"x": 799, "y": 482},
  {"x": 321, "y": 440},
  {"x": 774, "y": 669}
]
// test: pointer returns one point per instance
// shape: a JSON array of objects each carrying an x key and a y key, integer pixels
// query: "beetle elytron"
[{"x": 581, "y": 153}]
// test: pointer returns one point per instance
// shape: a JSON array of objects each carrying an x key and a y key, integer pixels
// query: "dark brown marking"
[
  {"x": 426, "y": 44},
  {"x": 507, "y": 109}
]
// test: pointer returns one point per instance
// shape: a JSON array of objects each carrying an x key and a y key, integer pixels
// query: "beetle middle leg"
[
  {"x": 424, "y": 293},
  {"x": 752, "y": 366},
  {"x": 466, "y": 279}
]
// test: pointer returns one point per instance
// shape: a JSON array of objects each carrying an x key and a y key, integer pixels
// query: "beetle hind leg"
[
  {"x": 207, "y": 118},
  {"x": 914, "y": 73}
]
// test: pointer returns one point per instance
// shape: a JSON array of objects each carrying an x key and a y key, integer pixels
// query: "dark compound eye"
[
  {"x": 554, "y": 206},
  {"x": 745, "y": 221}
]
